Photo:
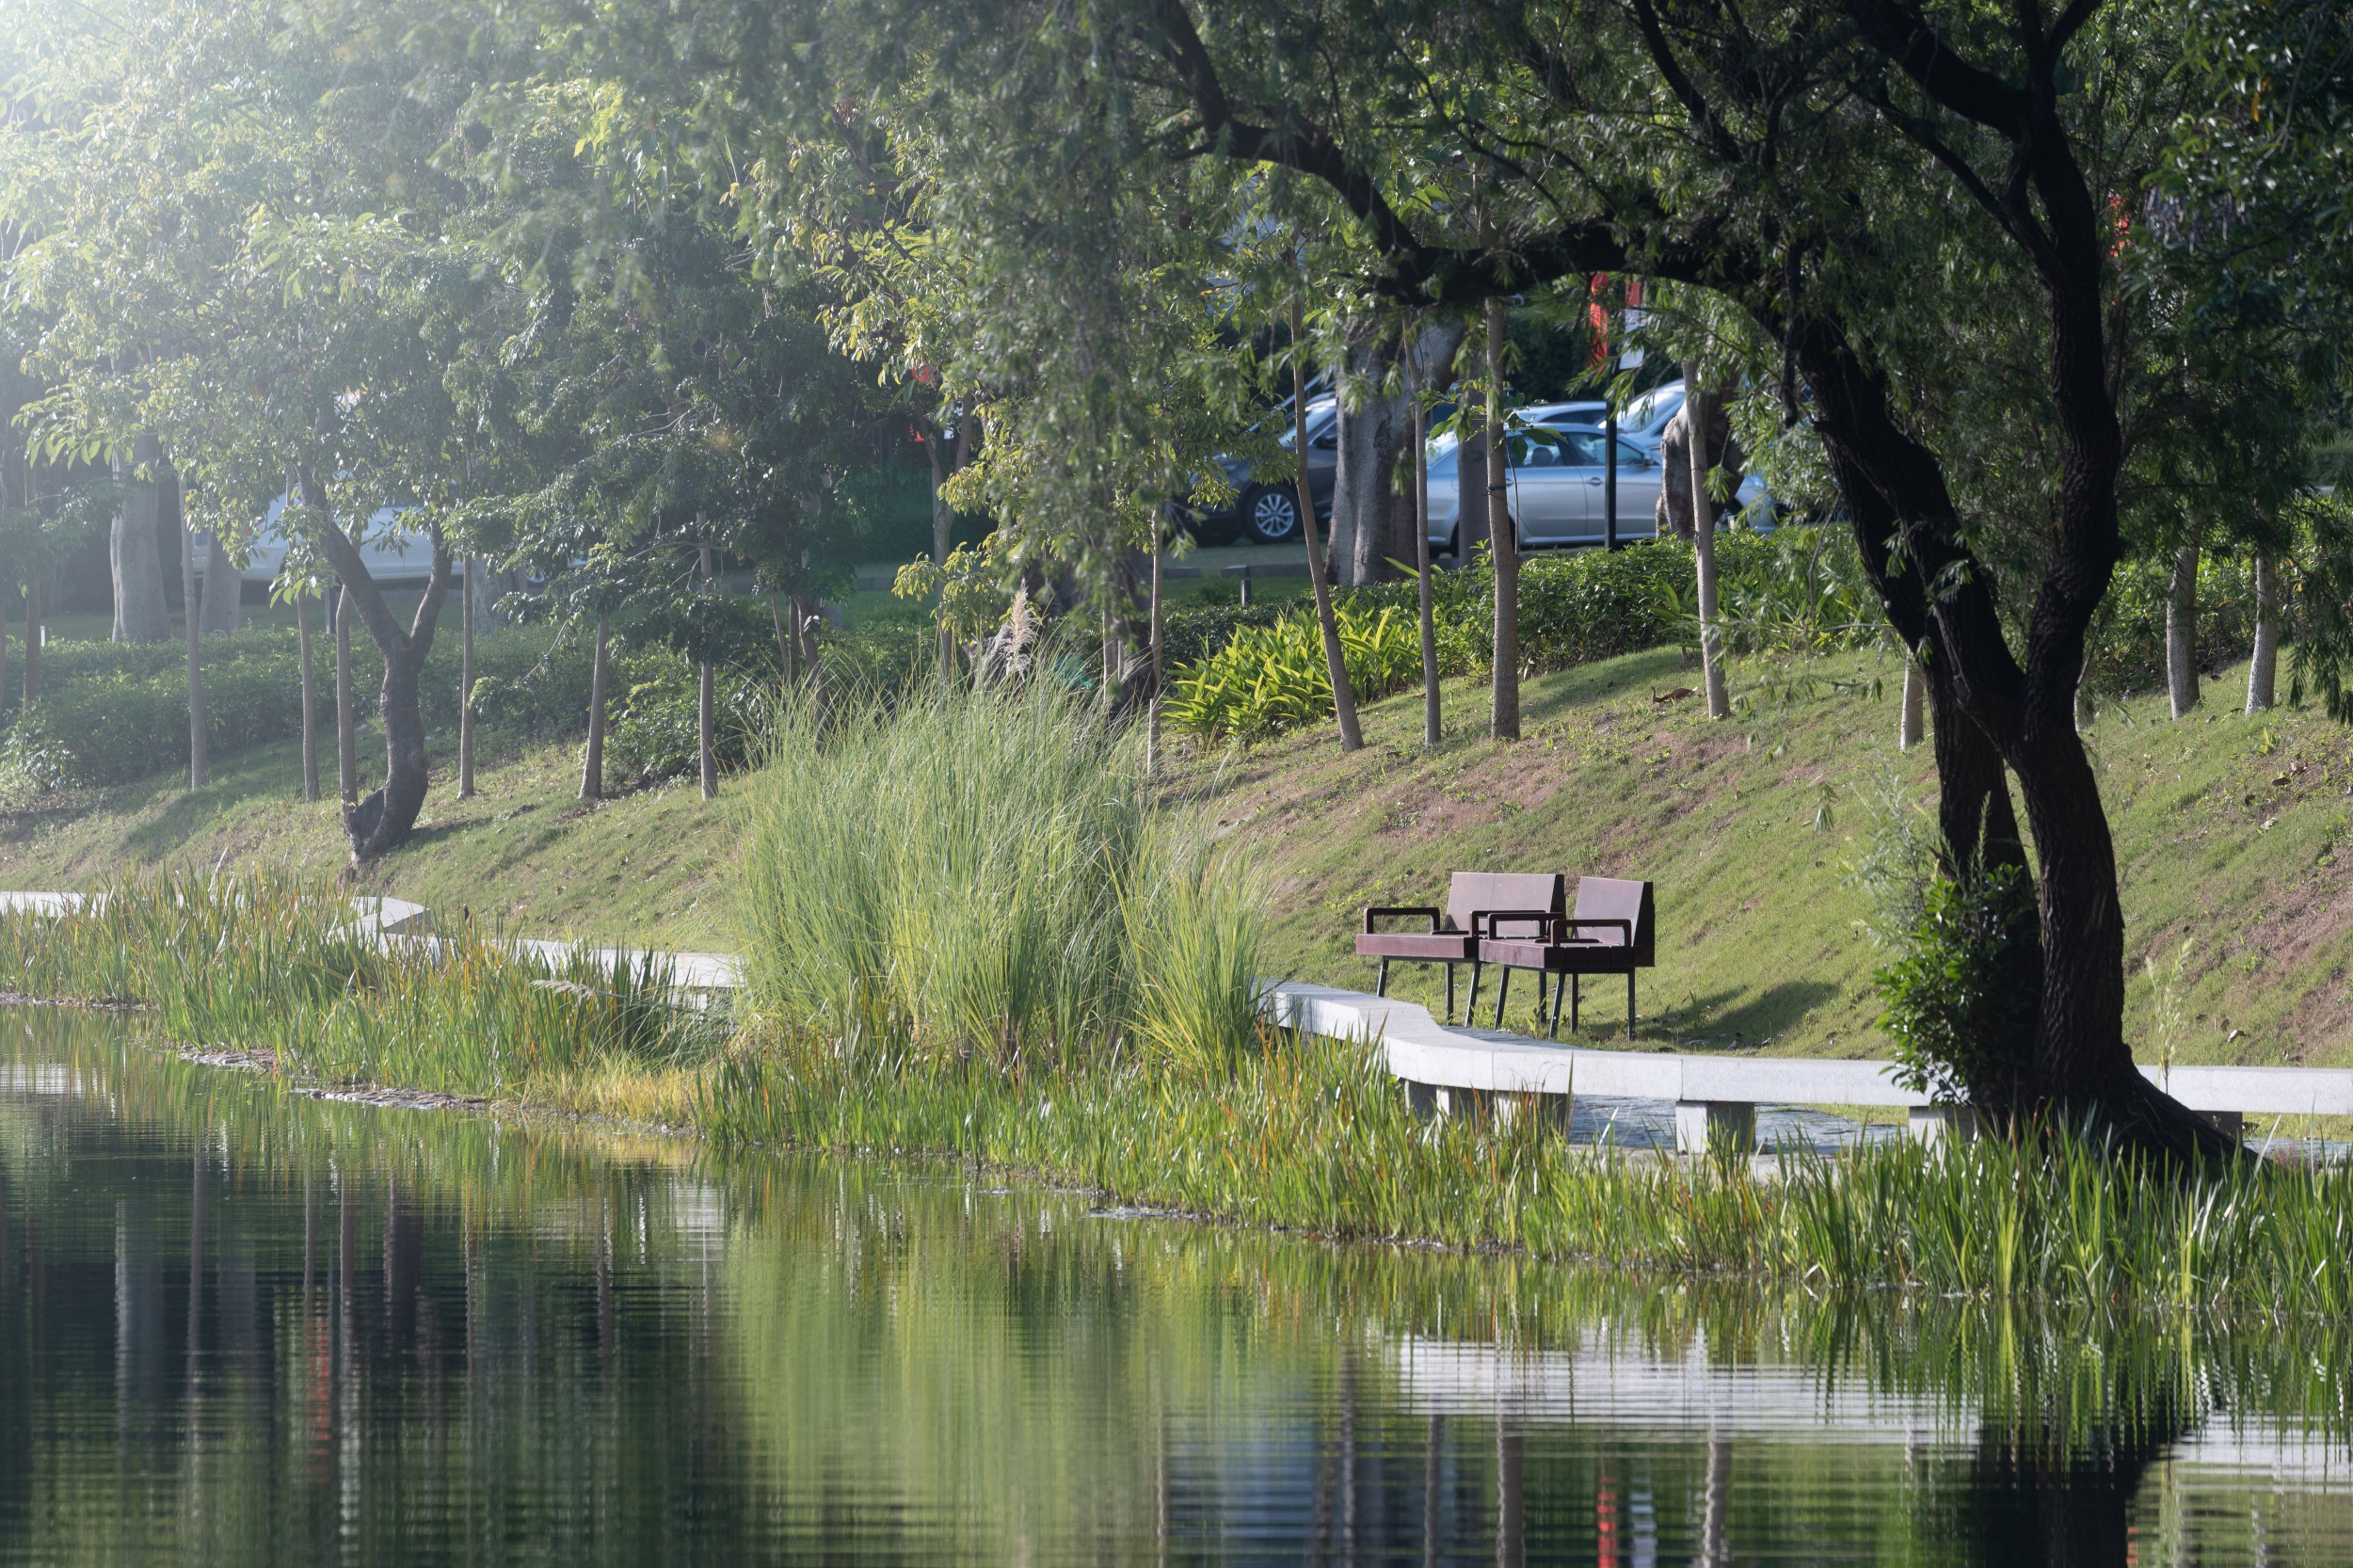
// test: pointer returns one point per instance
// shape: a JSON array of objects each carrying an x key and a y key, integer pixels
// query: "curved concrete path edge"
[
  {"x": 386, "y": 920},
  {"x": 1422, "y": 1051}
]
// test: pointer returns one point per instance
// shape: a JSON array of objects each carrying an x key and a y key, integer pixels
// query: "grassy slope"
[
  {"x": 1758, "y": 940},
  {"x": 2231, "y": 834},
  {"x": 648, "y": 868}
]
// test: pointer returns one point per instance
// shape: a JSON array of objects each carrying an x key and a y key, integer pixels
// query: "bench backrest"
[
  {"x": 1473, "y": 890},
  {"x": 1610, "y": 898}
]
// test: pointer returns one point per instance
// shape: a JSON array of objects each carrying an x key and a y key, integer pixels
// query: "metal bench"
[
  {"x": 1474, "y": 900},
  {"x": 1614, "y": 931}
]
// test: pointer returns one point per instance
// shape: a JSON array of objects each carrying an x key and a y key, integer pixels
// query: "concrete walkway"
[{"x": 1715, "y": 1099}]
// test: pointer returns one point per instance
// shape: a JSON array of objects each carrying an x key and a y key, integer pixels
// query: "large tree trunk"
[
  {"x": 190, "y": 618},
  {"x": 1988, "y": 714},
  {"x": 310, "y": 703},
  {"x": 1336, "y": 661},
  {"x": 141, "y": 615},
  {"x": 1700, "y": 405},
  {"x": 2181, "y": 628},
  {"x": 1371, "y": 434},
  {"x": 592, "y": 761},
  {"x": 1504, "y": 717},
  {"x": 381, "y": 823},
  {"x": 1372, "y": 524},
  {"x": 223, "y": 577},
  {"x": 2262, "y": 669}
]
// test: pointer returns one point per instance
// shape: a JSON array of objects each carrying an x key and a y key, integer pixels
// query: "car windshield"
[
  {"x": 1319, "y": 416},
  {"x": 1654, "y": 409}
]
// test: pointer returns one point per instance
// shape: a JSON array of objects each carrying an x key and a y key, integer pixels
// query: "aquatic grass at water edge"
[{"x": 261, "y": 962}]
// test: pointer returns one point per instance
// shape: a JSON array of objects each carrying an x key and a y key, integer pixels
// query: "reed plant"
[
  {"x": 1312, "y": 1134},
  {"x": 987, "y": 873},
  {"x": 263, "y": 963}
]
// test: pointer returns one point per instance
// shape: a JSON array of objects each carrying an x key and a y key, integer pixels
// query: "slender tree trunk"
[
  {"x": 465, "y": 685},
  {"x": 1152, "y": 719},
  {"x": 1334, "y": 657},
  {"x": 381, "y": 823},
  {"x": 1432, "y": 728},
  {"x": 2181, "y": 628},
  {"x": 310, "y": 703},
  {"x": 1915, "y": 697},
  {"x": 592, "y": 763},
  {"x": 34, "y": 632},
  {"x": 784, "y": 646},
  {"x": 1504, "y": 720},
  {"x": 346, "y": 720},
  {"x": 222, "y": 580},
  {"x": 2262, "y": 669},
  {"x": 944, "y": 526},
  {"x": 191, "y": 617},
  {"x": 140, "y": 613},
  {"x": 4, "y": 649},
  {"x": 706, "y": 728},
  {"x": 1699, "y": 407}
]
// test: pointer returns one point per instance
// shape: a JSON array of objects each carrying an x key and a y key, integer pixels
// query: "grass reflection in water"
[{"x": 241, "y": 1325}]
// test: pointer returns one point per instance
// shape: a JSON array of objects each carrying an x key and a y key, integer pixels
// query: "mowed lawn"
[{"x": 2230, "y": 835}]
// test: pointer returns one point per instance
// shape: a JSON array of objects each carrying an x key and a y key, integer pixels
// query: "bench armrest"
[
  {"x": 1627, "y": 926},
  {"x": 1548, "y": 921},
  {"x": 1377, "y": 911}
]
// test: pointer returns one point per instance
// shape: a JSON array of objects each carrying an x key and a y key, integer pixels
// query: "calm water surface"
[{"x": 240, "y": 1327}]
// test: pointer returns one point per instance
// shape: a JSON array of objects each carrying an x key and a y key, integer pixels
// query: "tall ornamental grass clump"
[
  {"x": 986, "y": 874},
  {"x": 263, "y": 963}
]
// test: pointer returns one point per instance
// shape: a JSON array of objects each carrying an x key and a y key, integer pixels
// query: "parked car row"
[{"x": 1558, "y": 477}]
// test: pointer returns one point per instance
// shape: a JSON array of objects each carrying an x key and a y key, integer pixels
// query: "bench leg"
[
  {"x": 1382, "y": 987},
  {"x": 1450, "y": 993},
  {"x": 1503, "y": 995},
  {"x": 1576, "y": 998},
  {"x": 1629, "y": 1007},
  {"x": 1470, "y": 1009},
  {"x": 1557, "y": 983}
]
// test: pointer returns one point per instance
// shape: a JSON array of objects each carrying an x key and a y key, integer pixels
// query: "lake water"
[{"x": 244, "y": 1327}]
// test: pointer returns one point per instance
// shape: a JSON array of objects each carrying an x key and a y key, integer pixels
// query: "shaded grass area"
[
  {"x": 2233, "y": 835},
  {"x": 524, "y": 854}
]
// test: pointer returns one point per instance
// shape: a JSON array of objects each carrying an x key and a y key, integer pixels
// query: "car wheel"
[{"x": 1269, "y": 515}]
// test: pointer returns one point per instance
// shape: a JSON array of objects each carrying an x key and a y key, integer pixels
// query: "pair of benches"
[{"x": 1518, "y": 921}]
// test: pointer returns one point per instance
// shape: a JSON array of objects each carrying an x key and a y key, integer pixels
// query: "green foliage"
[
  {"x": 983, "y": 874},
  {"x": 657, "y": 729},
  {"x": 1275, "y": 677},
  {"x": 1948, "y": 1000}
]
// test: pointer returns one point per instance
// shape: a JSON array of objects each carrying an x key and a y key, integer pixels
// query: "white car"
[
  {"x": 1558, "y": 481},
  {"x": 391, "y": 560}
]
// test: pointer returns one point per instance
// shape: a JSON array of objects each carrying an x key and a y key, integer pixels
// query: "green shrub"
[
  {"x": 1274, "y": 677},
  {"x": 983, "y": 874}
]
